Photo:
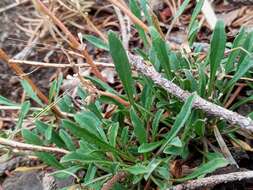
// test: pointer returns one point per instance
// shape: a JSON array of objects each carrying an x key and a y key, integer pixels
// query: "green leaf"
[
  {"x": 84, "y": 158},
  {"x": 172, "y": 150},
  {"x": 178, "y": 14},
  {"x": 161, "y": 50},
  {"x": 241, "y": 102},
  {"x": 90, "y": 122},
  {"x": 124, "y": 136},
  {"x": 137, "y": 169},
  {"x": 194, "y": 25},
  {"x": 206, "y": 168},
  {"x": 148, "y": 147},
  {"x": 23, "y": 112},
  {"x": 199, "y": 126},
  {"x": 6, "y": 102},
  {"x": 242, "y": 70},
  {"x": 195, "y": 13},
  {"x": 248, "y": 46},
  {"x": 180, "y": 120},
  {"x": 66, "y": 104},
  {"x": 29, "y": 91},
  {"x": 139, "y": 129},
  {"x": 52, "y": 90},
  {"x": 151, "y": 167},
  {"x": 91, "y": 138},
  {"x": 48, "y": 133},
  {"x": 55, "y": 88},
  {"x": 67, "y": 140},
  {"x": 43, "y": 127},
  {"x": 65, "y": 173},
  {"x": 181, "y": 9},
  {"x": 122, "y": 65},
  {"x": 238, "y": 41},
  {"x": 31, "y": 138},
  {"x": 145, "y": 9},
  {"x": 155, "y": 123},
  {"x": 202, "y": 80},
  {"x": 176, "y": 142},
  {"x": 96, "y": 42},
  {"x": 217, "y": 49},
  {"x": 137, "y": 12},
  {"x": 91, "y": 173},
  {"x": 104, "y": 86},
  {"x": 112, "y": 134},
  {"x": 49, "y": 159}
]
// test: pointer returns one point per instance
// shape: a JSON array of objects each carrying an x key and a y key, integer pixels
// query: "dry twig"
[
  {"x": 199, "y": 103},
  {"x": 25, "y": 146},
  {"x": 213, "y": 180}
]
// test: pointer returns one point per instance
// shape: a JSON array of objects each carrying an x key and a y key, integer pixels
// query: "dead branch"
[
  {"x": 213, "y": 180},
  {"x": 199, "y": 103},
  {"x": 31, "y": 147}
]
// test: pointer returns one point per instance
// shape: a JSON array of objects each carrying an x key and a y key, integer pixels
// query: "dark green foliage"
[{"x": 156, "y": 129}]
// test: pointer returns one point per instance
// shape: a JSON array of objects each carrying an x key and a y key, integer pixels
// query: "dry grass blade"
[
  {"x": 73, "y": 41},
  {"x": 58, "y": 65},
  {"x": 129, "y": 14}
]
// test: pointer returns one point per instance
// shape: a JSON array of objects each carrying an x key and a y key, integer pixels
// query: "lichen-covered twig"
[
  {"x": 213, "y": 180},
  {"x": 199, "y": 103}
]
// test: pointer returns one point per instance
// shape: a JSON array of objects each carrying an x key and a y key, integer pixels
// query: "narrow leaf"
[
  {"x": 6, "y": 102},
  {"x": 112, "y": 134},
  {"x": 232, "y": 56},
  {"x": 148, "y": 147},
  {"x": 217, "y": 49},
  {"x": 242, "y": 70},
  {"x": 137, "y": 169},
  {"x": 67, "y": 140},
  {"x": 122, "y": 65},
  {"x": 206, "y": 168},
  {"x": 29, "y": 91},
  {"x": 23, "y": 112},
  {"x": 90, "y": 137},
  {"x": 180, "y": 120},
  {"x": 161, "y": 50},
  {"x": 96, "y": 42},
  {"x": 139, "y": 129}
]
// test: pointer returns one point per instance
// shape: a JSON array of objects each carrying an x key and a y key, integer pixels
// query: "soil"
[{"x": 13, "y": 40}]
